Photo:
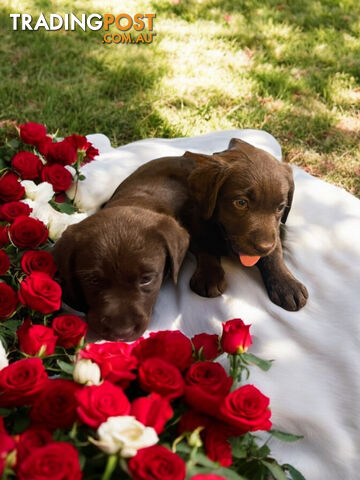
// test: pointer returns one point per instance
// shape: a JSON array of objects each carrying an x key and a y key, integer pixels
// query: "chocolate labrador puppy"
[
  {"x": 112, "y": 264},
  {"x": 240, "y": 196}
]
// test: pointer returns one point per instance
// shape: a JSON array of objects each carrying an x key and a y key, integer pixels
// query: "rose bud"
[
  {"x": 235, "y": 338},
  {"x": 36, "y": 340},
  {"x": 124, "y": 435},
  {"x": 86, "y": 372}
]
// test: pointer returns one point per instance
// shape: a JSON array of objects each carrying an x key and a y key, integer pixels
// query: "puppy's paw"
[
  {"x": 288, "y": 293},
  {"x": 209, "y": 283}
]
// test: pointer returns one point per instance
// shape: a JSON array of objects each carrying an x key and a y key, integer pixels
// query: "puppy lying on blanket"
[
  {"x": 112, "y": 264},
  {"x": 240, "y": 196}
]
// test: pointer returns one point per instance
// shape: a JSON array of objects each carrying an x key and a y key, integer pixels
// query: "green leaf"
[
  {"x": 66, "y": 367},
  {"x": 66, "y": 207},
  {"x": 13, "y": 143},
  {"x": 222, "y": 471},
  {"x": 285, "y": 437},
  {"x": 203, "y": 460},
  {"x": 239, "y": 447},
  {"x": 263, "y": 452},
  {"x": 22, "y": 421},
  {"x": 2, "y": 164},
  {"x": 295, "y": 474},
  {"x": 259, "y": 362},
  {"x": 274, "y": 468},
  {"x": 81, "y": 177},
  {"x": 5, "y": 412}
]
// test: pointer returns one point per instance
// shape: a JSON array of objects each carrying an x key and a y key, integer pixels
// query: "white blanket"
[{"x": 314, "y": 384}]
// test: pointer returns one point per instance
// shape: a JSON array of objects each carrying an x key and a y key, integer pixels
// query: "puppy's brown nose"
[
  {"x": 112, "y": 330},
  {"x": 263, "y": 247}
]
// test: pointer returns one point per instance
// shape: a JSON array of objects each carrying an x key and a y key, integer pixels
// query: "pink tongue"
[{"x": 247, "y": 260}]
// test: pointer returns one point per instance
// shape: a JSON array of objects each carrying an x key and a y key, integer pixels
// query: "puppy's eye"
[
  {"x": 94, "y": 281},
  {"x": 146, "y": 280},
  {"x": 241, "y": 203},
  {"x": 281, "y": 207}
]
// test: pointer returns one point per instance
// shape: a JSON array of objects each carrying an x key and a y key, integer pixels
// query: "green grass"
[{"x": 291, "y": 68}]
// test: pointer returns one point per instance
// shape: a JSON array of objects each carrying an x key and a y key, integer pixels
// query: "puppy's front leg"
[
  {"x": 282, "y": 287},
  {"x": 208, "y": 279}
]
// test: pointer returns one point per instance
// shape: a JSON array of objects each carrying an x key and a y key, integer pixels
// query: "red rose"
[
  {"x": 152, "y": 411},
  {"x": 38, "y": 261},
  {"x": 59, "y": 177},
  {"x": 82, "y": 144},
  {"x": 235, "y": 338},
  {"x": 8, "y": 301},
  {"x": 40, "y": 293},
  {"x": 4, "y": 262},
  {"x": 21, "y": 382},
  {"x": 209, "y": 345},
  {"x": 4, "y": 235},
  {"x": 7, "y": 443},
  {"x": 156, "y": 375},
  {"x": 90, "y": 154},
  {"x": 171, "y": 346},
  {"x": 217, "y": 446},
  {"x": 44, "y": 145},
  {"x": 78, "y": 142},
  {"x": 30, "y": 440},
  {"x": 61, "y": 152},
  {"x": 70, "y": 329},
  {"x": 55, "y": 407},
  {"x": 246, "y": 409},
  {"x": 10, "y": 188},
  {"x": 97, "y": 403},
  {"x": 191, "y": 420},
  {"x": 207, "y": 384},
  {"x": 36, "y": 339},
  {"x": 9, "y": 211},
  {"x": 57, "y": 460},
  {"x": 115, "y": 359},
  {"x": 27, "y": 165},
  {"x": 207, "y": 476},
  {"x": 157, "y": 463},
  {"x": 27, "y": 232},
  {"x": 32, "y": 133}
]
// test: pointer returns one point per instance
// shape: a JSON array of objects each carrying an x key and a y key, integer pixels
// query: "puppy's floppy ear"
[
  {"x": 206, "y": 180},
  {"x": 241, "y": 146},
  {"x": 176, "y": 240},
  {"x": 290, "y": 178},
  {"x": 64, "y": 253}
]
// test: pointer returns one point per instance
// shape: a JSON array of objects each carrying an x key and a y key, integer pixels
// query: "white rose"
[
  {"x": 60, "y": 221},
  {"x": 4, "y": 362},
  {"x": 124, "y": 435},
  {"x": 41, "y": 193},
  {"x": 87, "y": 372}
]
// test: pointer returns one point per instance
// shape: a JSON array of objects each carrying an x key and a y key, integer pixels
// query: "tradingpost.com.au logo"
[{"x": 130, "y": 27}]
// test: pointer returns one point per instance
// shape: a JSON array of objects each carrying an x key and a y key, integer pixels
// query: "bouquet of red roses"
[{"x": 160, "y": 408}]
